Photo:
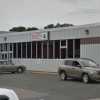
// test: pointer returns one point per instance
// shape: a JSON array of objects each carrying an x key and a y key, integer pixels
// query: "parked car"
[
  {"x": 6, "y": 66},
  {"x": 84, "y": 69},
  {"x": 7, "y": 94}
]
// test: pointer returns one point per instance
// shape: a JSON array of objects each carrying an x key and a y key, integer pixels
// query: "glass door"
[
  {"x": 4, "y": 56},
  {"x": 10, "y": 56},
  {"x": 63, "y": 53},
  {"x": 63, "y": 49}
]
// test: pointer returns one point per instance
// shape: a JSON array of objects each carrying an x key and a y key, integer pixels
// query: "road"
[{"x": 49, "y": 87}]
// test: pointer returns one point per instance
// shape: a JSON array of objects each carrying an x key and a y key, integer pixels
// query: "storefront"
[{"x": 43, "y": 50}]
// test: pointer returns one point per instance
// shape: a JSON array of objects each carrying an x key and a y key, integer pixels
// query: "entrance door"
[
  {"x": 77, "y": 48},
  {"x": 74, "y": 48},
  {"x": 6, "y": 56},
  {"x": 63, "y": 53},
  {"x": 70, "y": 48}
]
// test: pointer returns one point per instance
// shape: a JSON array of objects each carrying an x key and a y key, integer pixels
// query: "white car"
[{"x": 7, "y": 94}]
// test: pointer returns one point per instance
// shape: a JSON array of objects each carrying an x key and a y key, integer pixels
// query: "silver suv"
[{"x": 85, "y": 69}]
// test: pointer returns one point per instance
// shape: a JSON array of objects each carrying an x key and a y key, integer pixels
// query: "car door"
[
  {"x": 7, "y": 66},
  {"x": 69, "y": 67},
  {"x": 76, "y": 69}
]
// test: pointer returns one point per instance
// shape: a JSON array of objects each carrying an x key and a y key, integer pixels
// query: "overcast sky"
[{"x": 39, "y": 13}]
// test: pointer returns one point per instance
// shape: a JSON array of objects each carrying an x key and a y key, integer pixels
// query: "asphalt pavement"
[{"x": 49, "y": 87}]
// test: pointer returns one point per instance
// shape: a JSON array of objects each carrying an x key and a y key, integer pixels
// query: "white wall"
[
  {"x": 63, "y": 33},
  {"x": 91, "y": 51},
  {"x": 47, "y": 65}
]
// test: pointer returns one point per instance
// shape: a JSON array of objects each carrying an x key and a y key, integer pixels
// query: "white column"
[
  {"x": 3, "y": 47},
  {"x": 26, "y": 49},
  {"x": 0, "y": 51},
  {"x": 60, "y": 50},
  {"x": 12, "y": 49},
  {"x": 36, "y": 50},
  {"x": 66, "y": 48},
  {"x": 73, "y": 48},
  {"x": 16, "y": 50},
  {"x": 53, "y": 49},
  {"x": 21, "y": 50},
  {"x": 31, "y": 50},
  {"x": 0, "y": 47},
  {"x": 42, "y": 49},
  {"x": 8, "y": 47},
  {"x": 47, "y": 49}
]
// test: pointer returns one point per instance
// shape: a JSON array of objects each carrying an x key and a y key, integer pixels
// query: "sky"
[{"x": 39, "y": 13}]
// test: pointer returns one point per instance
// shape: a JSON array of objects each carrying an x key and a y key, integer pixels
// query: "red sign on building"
[
  {"x": 36, "y": 36},
  {"x": 42, "y": 36}
]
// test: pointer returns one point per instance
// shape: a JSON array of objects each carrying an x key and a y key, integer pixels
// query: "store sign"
[{"x": 42, "y": 36}]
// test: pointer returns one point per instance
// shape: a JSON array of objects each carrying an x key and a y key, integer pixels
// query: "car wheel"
[
  {"x": 19, "y": 70},
  {"x": 85, "y": 78},
  {"x": 63, "y": 75}
]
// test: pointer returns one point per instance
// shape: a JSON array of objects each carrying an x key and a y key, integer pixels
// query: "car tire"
[
  {"x": 12, "y": 72},
  {"x": 63, "y": 75},
  {"x": 19, "y": 70},
  {"x": 85, "y": 78}
]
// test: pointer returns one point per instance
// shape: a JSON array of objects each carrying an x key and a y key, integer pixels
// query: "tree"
[
  {"x": 21, "y": 29},
  {"x": 49, "y": 26},
  {"x": 18, "y": 29},
  {"x": 33, "y": 28},
  {"x": 57, "y": 25},
  {"x": 64, "y": 25}
]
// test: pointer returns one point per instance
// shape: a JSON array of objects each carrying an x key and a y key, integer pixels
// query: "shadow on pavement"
[{"x": 79, "y": 80}]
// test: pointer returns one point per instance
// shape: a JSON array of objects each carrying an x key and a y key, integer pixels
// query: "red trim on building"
[{"x": 93, "y": 40}]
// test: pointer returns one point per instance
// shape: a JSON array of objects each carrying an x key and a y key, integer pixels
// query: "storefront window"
[
  {"x": 63, "y": 53},
  {"x": 24, "y": 50},
  {"x": 77, "y": 48},
  {"x": 1, "y": 47},
  {"x": 38, "y": 49},
  {"x": 33, "y": 49},
  {"x": 45, "y": 49},
  {"x": 10, "y": 47},
  {"x": 14, "y": 52},
  {"x": 29, "y": 50},
  {"x": 57, "y": 49},
  {"x": 19, "y": 50},
  {"x": 63, "y": 43},
  {"x": 51, "y": 49},
  {"x": 5, "y": 47}
]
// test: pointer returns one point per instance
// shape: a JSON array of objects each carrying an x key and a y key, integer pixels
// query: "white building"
[{"x": 43, "y": 50}]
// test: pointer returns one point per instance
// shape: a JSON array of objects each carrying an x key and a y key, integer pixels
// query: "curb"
[{"x": 49, "y": 73}]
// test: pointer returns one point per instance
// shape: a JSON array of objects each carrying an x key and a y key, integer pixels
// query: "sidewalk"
[{"x": 39, "y": 72}]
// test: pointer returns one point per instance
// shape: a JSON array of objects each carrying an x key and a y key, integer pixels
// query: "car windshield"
[{"x": 88, "y": 63}]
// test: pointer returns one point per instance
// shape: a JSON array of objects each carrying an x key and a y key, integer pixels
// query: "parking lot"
[{"x": 49, "y": 87}]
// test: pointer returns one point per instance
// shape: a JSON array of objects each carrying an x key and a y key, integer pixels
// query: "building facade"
[{"x": 43, "y": 50}]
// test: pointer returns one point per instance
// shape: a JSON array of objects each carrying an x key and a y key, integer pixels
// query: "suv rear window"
[{"x": 70, "y": 62}]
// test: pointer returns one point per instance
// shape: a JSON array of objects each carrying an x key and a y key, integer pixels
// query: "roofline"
[{"x": 50, "y": 29}]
